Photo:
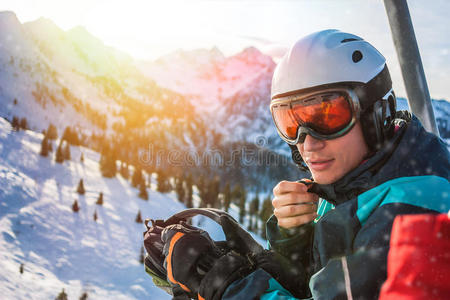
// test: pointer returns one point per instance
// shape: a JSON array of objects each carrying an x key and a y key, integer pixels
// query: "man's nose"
[{"x": 312, "y": 144}]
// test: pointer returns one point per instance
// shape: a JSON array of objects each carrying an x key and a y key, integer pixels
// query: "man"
[{"x": 332, "y": 102}]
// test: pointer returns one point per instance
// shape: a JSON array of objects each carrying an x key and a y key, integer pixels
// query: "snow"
[{"x": 63, "y": 249}]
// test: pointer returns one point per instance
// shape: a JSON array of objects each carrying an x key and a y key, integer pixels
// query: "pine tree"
[
  {"x": 253, "y": 210},
  {"x": 23, "y": 123},
  {"x": 255, "y": 227},
  {"x": 108, "y": 164},
  {"x": 59, "y": 157},
  {"x": 95, "y": 216},
  {"x": 67, "y": 134},
  {"x": 15, "y": 123},
  {"x": 66, "y": 152},
  {"x": 44, "y": 147},
  {"x": 254, "y": 206},
  {"x": 250, "y": 225},
  {"x": 179, "y": 188},
  {"x": 242, "y": 205},
  {"x": 21, "y": 268},
  {"x": 265, "y": 213},
  {"x": 100, "y": 199},
  {"x": 213, "y": 192},
  {"x": 71, "y": 136},
  {"x": 75, "y": 206},
  {"x": 189, "y": 192},
  {"x": 202, "y": 191},
  {"x": 137, "y": 177},
  {"x": 226, "y": 197},
  {"x": 236, "y": 194},
  {"x": 142, "y": 255},
  {"x": 80, "y": 188},
  {"x": 163, "y": 184},
  {"x": 50, "y": 146},
  {"x": 52, "y": 133},
  {"x": 84, "y": 296},
  {"x": 138, "y": 217},
  {"x": 62, "y": 295},
  {"x": 143, "y": 190},
  {"x": 82, "y": 157}
]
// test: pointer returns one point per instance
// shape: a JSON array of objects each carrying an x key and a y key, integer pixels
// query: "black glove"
[
  {"x": 154, "y": 261},
  {"x": 189, "y": 254},
  {"x": 226, "y": 270},
  {"x": 293, "y": 278},
  {"x": 204, "y": 268}
]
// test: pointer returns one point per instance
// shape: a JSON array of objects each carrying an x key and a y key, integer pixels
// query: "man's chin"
[{"x": 324, "y": 178}]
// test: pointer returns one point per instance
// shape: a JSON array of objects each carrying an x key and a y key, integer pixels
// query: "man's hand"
[{"x": 293, "y": 204}]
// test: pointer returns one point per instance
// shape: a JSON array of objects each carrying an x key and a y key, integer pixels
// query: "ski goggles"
[{"x": 327, "y": 114}]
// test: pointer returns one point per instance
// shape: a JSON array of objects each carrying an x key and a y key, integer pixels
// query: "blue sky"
[{"x": 148, "y": 29}]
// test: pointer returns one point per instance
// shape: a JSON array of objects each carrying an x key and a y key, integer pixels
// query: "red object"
[{"x": 419, "y": 258}]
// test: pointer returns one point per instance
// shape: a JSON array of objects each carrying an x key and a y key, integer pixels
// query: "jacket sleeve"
[
  {"x": 257, "y": 285},
  {"x": 296, "y": 246}
]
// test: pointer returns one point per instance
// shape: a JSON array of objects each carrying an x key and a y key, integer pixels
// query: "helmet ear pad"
[{"x": 377, "y": 122}]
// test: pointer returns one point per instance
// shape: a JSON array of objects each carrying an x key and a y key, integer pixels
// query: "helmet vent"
[
  {"x": 357, "y": 56},
  {"x": 348, "y": 40}
]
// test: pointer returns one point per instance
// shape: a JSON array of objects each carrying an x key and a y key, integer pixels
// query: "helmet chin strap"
[{"x": 297, "y": 158}]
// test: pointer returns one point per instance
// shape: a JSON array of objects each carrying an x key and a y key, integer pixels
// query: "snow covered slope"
[
  {"x": 63, "y": 249},
  {"x": 60, "y": 248}
]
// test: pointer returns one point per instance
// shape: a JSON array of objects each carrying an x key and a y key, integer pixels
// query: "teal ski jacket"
[{"x": 343, "y": 253}]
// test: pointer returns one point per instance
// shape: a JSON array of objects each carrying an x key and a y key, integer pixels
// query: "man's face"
[{"x": 330, "y": 160}]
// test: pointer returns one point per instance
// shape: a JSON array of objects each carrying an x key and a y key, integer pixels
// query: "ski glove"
[
  {"x": 154, "y": 261},
  {"x": 198, "y": 265},
  {"x": 293, "y": 278},
  {"x": 189, "y": 254},
  {"x": 204, "y": 268}
]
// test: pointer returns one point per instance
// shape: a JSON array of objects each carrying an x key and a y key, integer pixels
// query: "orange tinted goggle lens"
[
  {"x": 325, "y": 114},
  {"x": 285, "y": 121}
]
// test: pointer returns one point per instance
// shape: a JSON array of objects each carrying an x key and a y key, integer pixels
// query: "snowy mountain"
[
  {"x": 67, "y": 78},
  {"x": 72, "y": 78},
  {"x": 62, "y": 249},
  {"x": 230, "y": 93}
]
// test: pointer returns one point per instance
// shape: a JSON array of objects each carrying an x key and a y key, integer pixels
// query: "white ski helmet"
[{"x": 331, "y": 58}]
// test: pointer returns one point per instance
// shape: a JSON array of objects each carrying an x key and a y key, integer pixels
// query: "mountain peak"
[
  {"x": 252, "y": 51},
  {"x": 79, "y": 30},
  {"x": 215, "y": 52},
  {"x": 8, "y": 14},
  {"x": 9, "y": 21},
  {"x": 43, "y": 25},
  {"x": 252, "y": 55},
  {"x": 80, "y": 34}
]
